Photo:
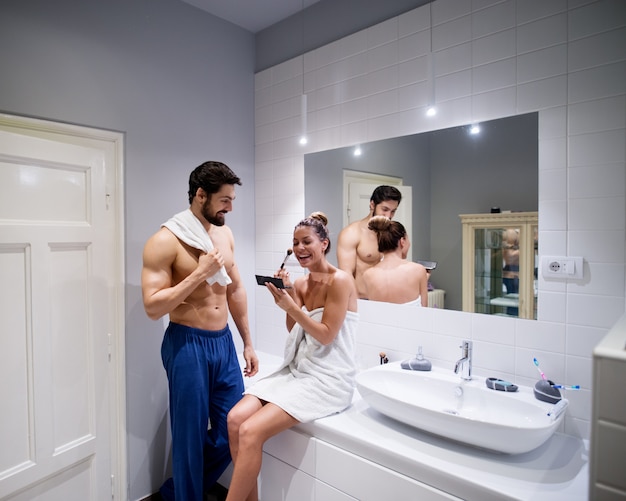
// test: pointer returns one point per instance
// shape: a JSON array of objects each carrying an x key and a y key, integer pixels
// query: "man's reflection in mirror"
[{"x": 357, "y": 246}]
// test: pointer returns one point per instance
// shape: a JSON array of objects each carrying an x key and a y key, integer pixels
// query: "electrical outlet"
[{"x": 562, "y": 267}]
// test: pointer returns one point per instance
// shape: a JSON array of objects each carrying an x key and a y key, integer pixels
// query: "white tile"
[
  {"x": 608, "y": 213},
  {"x": 493, "y": 359},
  {"x": 597, "y": 180},
  {"x": 597, "y": 148},
  {"x": 551, "y": 306},
  {"x": 541, "y": 94},
  {"x": 540, "y": 64},
  {"x": 354, "y": 111},
  {"x": 355, "y": 88},
  {"x": 553, "y": 123},
  {"x": 598, "y": 115},
  {"x": 595, "y": 18},
  {"x": 553, "y": 184},
  {"x": 287, "y": 70},
  {"x": 582, "y": 340},
  {"x": 552, "y": 364},
  {"x": 594, "y": 311},
  {"x": 597, "y": 50},
  {"x": 452, "y": 33},
  {"x": 414, "y": 70},
  {"x": 328, "y": 117},
  {"x": 553, "y": 243},
  {"x": 498, "y": 17},
  {"x": 324, "y": 97},
  {"x": 382, "y": 80},
  {"x": 542, "y": 33},
  {"x": 493, "y": 76},
  {"x": 494, "y": 104},
  {"x": 494, "y": 47},
  {"x": 414, "y": 21},
  {"x": 446, "y": 10},
  {"x": 416, "y": 45},
  {"x": 353, "y": 133},
  {"x": 452, "y": 59},
  {"x": 454, "y": 85},
  {"x": 536, "y": 335},
  {"x": 552, "y": 155},
  {"x": 382, "y": 33},
  {"x": 596, "y": 83},
  {"x": 553, "y": 214},
  {"x": 597, "y": 246},
  {"x": 263, "y": 79},
  {"x": 382, "y": 103},
  {"x": 493, "y": 329},
  {"x": 531, "y": 10}
]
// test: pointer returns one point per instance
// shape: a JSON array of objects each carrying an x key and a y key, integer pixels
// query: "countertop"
[{"x": 555, "y": 471}]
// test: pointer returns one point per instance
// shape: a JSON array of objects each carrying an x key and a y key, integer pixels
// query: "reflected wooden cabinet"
[{"x": 499, "y": 263}]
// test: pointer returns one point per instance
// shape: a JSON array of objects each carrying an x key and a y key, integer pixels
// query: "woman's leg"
[
  {"x": 253, "y": 432},
  {"x": 241, "y": 411}
]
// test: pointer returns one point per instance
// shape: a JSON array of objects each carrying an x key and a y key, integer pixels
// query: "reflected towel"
[{"x": 189, "y": 229}]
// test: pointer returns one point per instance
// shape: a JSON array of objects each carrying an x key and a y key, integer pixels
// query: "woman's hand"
[
  {"x": 284, "y": 275},
  {"x": 281, "y": 297}
]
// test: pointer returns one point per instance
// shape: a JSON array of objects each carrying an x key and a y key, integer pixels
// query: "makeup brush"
[{"x": 289, "y": 253}]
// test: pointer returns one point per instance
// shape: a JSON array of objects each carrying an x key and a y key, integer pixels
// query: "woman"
[
  {"x": 317, "y": 375},
  {"x": 394, "y": 279}
]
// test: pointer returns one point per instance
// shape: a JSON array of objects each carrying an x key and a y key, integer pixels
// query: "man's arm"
[
  {"x": 347, "y": 243},
  {"x": 159, "y": 296},
  {"x": 238, "y": 307}
]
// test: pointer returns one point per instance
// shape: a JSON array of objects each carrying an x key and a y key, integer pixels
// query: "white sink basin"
[{"x": 440, "y": 402}]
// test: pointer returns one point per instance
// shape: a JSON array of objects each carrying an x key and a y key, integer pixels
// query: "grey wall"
[
  {"x": 179, "y": 83},
  {"x": 322, "y": 23},
  {"x": 451, "y": 172}
]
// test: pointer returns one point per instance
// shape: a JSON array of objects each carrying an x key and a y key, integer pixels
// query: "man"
[
  {"x": 357, "y": 246},
  {"x": 198, "y": 288}
]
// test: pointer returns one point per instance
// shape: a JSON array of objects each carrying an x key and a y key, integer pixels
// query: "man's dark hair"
[
  {"x": 383, "y": 193},
  {"x": 211, "y": 176}
]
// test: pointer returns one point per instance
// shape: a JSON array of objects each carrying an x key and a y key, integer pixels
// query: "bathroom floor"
[{"x": 218, "y": 493}]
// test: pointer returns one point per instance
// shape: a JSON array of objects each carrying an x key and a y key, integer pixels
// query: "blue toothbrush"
[
  {"x": 566, "y": 387},
  {"x": 543, "y": 376}
]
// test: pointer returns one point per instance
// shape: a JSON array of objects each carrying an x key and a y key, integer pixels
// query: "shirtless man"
[
  {"x": 357, "y": 246},
  {"x": 198, "y": 352}
]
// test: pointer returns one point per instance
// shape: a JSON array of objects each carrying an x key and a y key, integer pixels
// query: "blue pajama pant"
[{"x": 205, "y": 382}]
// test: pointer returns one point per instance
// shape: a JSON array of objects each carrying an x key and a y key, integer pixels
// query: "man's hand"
[
  {"x": 252, "y": 362},
  {"x": 209, "y": 263}
]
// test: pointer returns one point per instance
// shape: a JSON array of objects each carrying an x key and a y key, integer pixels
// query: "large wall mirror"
[{"x": 451, "y": 172}]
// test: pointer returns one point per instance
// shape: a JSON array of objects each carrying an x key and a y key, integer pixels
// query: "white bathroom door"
[
  {"x": 59, "y": 263},
  {"x": 359, "y": 195}
]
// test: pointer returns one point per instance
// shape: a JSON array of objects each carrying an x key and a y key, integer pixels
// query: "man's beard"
[{"x": 216, "y": 219}]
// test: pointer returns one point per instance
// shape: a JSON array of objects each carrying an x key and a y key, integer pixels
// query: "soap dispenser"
[{"x": 419, "y": 363}]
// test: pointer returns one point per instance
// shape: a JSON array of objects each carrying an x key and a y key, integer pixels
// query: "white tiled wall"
[{"x": 564, "y": 59}]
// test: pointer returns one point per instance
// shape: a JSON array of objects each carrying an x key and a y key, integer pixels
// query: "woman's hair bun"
[{"x": 320, "y": 216}]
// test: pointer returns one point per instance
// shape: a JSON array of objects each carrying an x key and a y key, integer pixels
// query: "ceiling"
[{"x": 252, "y": 15}]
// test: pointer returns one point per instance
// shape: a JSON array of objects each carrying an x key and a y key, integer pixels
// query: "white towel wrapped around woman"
[{"x": 314, "y": 380}]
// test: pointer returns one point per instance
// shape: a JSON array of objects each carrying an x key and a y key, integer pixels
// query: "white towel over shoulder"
[{"x": 189, "y": 229}]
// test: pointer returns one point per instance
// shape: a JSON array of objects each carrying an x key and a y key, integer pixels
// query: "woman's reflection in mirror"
[
  {"x": 357, "y": 248},
  {"x": 394, "y": 279}
]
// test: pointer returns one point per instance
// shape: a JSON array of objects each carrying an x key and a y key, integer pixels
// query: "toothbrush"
[
  {"x": 543, "y": 376},
  {"x": 566, "y": 387}
]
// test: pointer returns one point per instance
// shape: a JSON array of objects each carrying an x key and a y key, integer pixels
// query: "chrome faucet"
[{"x": 464, "y": 364}]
